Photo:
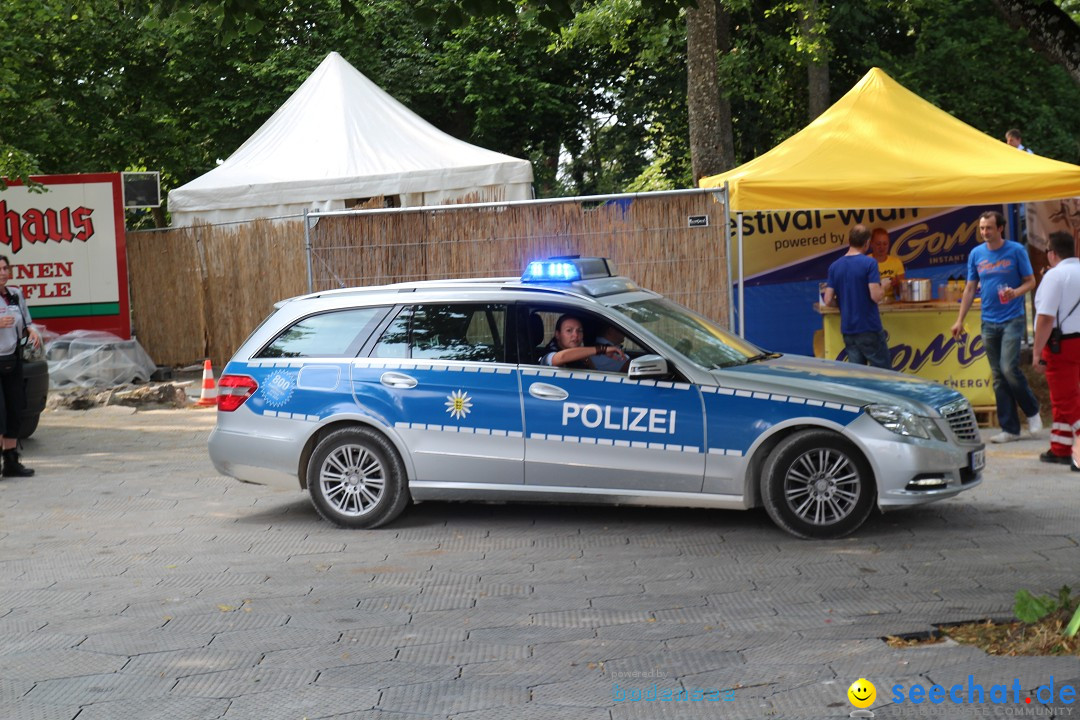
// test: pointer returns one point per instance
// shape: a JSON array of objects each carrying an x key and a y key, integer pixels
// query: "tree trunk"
[
  {"x": 708, "y": 113},
  {"x": 727, "y": 130},
  {"x": 817, "y": 70},
  {"x": 1051, "y": 31}
]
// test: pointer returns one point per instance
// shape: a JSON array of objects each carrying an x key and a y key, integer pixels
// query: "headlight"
[{"x": 902, "y": 422}]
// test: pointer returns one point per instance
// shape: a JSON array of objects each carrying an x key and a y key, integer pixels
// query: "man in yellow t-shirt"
[{"x": 889, "y": 266}]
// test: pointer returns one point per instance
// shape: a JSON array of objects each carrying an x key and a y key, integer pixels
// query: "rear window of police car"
[
  {"x": 466, "y": 332},
  {"x": 339, "y": 333}
]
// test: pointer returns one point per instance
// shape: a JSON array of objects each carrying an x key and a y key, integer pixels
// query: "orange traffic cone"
[{"x": 208, "y": 397}]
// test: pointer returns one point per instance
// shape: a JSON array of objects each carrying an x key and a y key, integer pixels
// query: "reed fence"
[{"x": 197, "y": 292}]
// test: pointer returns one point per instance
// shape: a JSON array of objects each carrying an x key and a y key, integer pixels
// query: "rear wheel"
[
  {"x": 817, "y": 485},
  {"x": 356, "y": 479}
]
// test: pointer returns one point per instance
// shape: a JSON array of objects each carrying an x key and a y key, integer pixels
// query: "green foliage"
[
  {"x": 653, "y": 178},
  {"x": 496, "y": 83},
  {"x": 109, "y": 90},
  {"x": 963, "y": 58},
  {"x": 549, "y": 14},
  {"x": 1074, "y": 624},
  {"x": 1072, "y": 7},
  {"x": 18, "y": 165},
  {"x": 598, "y": 105},
  {"x": 1033, "y": 608},
  {"x": 638, "y": 121}
]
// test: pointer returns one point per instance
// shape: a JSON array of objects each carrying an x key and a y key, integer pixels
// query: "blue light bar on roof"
[
  {"x": 547, "y": 270},
  {"x": 566, "y": 269}
]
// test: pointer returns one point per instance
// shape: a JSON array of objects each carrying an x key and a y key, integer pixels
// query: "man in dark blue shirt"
[{"x": 855, "y": 287}]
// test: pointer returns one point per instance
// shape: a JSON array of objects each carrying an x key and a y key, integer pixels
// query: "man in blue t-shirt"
[
  {"x": 1003, "y": 271},
  {"x": 855, "y": 287}
]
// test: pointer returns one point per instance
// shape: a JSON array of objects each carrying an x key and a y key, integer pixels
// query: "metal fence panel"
[{"x": 661, "y": 241}]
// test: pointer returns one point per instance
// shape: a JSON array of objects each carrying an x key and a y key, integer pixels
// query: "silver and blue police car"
[{"x": 371, "y": 398}]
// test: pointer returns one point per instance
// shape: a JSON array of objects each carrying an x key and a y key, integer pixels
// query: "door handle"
[
  {"x": 397, "y": 380},
  {"x": 543, "y": 391}
]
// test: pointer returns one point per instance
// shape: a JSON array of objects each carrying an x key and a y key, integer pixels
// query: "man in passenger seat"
[{"x": 610, "y": 363}]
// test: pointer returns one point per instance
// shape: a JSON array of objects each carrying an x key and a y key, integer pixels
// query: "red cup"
[{"x": 1001, "y": 294}]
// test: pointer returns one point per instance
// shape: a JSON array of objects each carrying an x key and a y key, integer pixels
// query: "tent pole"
[
  {"x": 742, "y": 284},
  {"x": 307, "y": 251},
  {"x": 727, "y": 256}
]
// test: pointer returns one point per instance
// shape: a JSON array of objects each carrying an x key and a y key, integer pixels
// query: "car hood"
[{"x": 842, "y": 382}]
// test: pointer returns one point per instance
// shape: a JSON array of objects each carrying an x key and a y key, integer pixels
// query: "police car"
[{"x": 372, "y": 398}]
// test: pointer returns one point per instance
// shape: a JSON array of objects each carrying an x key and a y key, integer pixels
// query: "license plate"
[{"x": 978, "y": 460}]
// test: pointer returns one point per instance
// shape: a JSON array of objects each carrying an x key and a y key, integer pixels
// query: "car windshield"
[{"x": 695, "y": 337}]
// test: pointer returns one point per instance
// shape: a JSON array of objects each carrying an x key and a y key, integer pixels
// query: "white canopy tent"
[{"x": 339, "y": 139}]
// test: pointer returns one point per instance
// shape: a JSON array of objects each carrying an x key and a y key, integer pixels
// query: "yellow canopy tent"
[{"x": 881, "y": 145}]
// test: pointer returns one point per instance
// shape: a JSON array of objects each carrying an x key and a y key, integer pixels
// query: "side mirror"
[{"x": 647, "y": 366}]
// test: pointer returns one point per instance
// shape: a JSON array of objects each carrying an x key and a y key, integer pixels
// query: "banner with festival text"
[{"x": 788, "y": 253}]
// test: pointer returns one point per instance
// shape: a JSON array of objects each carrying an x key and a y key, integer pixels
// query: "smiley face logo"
[{"x": 862, "y": 693}]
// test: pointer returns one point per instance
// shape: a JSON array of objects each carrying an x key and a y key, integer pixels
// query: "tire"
[
  {"x": 815, "y": 484},
  {"x": 357, "y": 479},
  {"x": 36, "y": 392},
  {"x": 27, "y": 426}
]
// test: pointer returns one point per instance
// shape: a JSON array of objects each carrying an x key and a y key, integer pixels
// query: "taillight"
[{"x": 233, "y": 390}]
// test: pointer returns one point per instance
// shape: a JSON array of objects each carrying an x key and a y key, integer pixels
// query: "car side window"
[
  {"x": 329, "y": 334},
  {"x": 394, "y": 342},
  {"x": 537, "y": 325},
  {"x": 460, "y": 331}
]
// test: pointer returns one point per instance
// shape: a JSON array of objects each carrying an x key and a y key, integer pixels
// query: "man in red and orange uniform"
[{"x": 1056, "y": 304}]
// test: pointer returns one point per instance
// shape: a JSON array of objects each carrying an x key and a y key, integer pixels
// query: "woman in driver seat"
[{"x": 567, "y": 348}]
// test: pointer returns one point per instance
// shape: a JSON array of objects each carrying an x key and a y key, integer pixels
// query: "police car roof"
[{"x": 596, "y": 287}]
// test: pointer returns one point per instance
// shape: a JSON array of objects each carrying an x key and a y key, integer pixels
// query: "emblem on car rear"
[{"x": 278, "y": 388}]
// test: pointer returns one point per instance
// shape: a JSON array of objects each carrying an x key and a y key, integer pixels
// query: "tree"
[
  {"x": 501, "y": 19},
  {"x": 988, "y": 76},
  {"x": 237, "y": 18},
  {"x": 706, "y": 110},
  {"x": 601, "y": 105},
  {"x": 1052, "y": 30},
  {"x": 110, "y": 90},
  {"x": 644, "y": 134},
  {"x": 16, "y": 164},
  {"x": 551, "y": 14},
  {"x": 813, "y": 34}
]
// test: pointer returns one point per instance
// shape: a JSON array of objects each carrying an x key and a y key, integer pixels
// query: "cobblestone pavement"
[{"x": 137, "y": 583}]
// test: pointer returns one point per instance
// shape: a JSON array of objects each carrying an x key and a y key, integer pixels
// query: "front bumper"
[{"x": 912, "y": 471}]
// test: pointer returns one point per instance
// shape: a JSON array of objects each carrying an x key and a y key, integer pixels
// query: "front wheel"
[
  {"x": 817, "y": 485},
  {"x": 356, "y": 479}
]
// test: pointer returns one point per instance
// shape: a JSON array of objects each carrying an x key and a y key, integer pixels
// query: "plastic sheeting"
[{"x": 90, "y": 358}]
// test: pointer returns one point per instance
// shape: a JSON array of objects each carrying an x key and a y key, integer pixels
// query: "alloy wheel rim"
[
  {"x": 352, "y": 479},
  {"x": 822, "y": 486}
]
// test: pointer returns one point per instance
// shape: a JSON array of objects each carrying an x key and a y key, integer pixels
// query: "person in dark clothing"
[
  {"x": 855, "y": 287},
  {"x": 14, "y": 324}
]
